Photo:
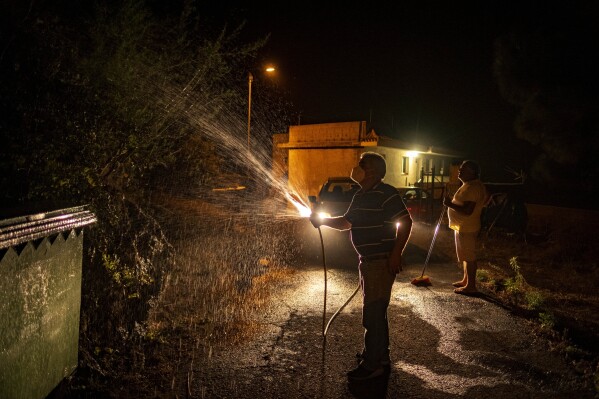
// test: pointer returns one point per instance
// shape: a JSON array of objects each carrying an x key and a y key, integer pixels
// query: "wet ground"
[{"x": 443, "y": 345}]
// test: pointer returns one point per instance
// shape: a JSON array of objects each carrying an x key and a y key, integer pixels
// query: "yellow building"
[{"x": 309, "y": 154}]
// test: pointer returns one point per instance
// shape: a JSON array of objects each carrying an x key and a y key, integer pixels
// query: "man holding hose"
[{"x": 380, "y": 226}]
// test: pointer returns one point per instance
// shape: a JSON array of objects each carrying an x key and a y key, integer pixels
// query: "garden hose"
[
  {"x": 324, "y": 265},
  {"x": 325, "y": 325}
]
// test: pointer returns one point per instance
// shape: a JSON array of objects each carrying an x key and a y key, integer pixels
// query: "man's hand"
[
  {"x": 394, "y": 265},
  {"x": 315, "y": 220},
  {"x": 447, "y": 201}
]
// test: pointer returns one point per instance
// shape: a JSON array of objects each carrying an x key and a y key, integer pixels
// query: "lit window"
[{"x": 405, "y": 165}]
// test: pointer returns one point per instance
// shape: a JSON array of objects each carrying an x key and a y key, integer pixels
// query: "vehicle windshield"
[
  {"x": 413, "y": 194},
  {"x": 342, "y": 191}
]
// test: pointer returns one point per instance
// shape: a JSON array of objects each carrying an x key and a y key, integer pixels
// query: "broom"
[{"x": 425, "y": 280}]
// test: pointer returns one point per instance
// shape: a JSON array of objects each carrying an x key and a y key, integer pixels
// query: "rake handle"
[{"x": 430, "y": 249}]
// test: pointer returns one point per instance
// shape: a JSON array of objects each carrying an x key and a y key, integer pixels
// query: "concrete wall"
[
  {"x": 541, "y": 217},
  {"x": 41, "y": 258},
  {"x": 280, "y": 156},
  {"x": 330, "y": 133},
  {"x": 40, "y": 292},
  {"x": 319, "y": 151},
  {"x": 394, "y": 159},
  {"x": 310, "y": 168}
]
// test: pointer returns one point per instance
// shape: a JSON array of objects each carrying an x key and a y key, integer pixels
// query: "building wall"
[
  {"x": 395, "y": 174},
  {"x": 329, "y": 133},
  {"x": 280, "y": 165},
  {"x": 310, "y": 168},
  {"x": 319, "y": 151},
  {"x": 316, "y": 152}
]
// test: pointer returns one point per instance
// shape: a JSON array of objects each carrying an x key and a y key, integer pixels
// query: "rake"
[{"x": 425, "y": 280}]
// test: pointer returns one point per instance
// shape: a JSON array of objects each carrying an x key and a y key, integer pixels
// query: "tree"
[
  {"x": 547, "y": 67},
  {"x": 103, "y": 100}
]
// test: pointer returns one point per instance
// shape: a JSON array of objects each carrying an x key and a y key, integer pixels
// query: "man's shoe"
[
  {"x": 384, "y": 362},
  {"x": 361, "y": 373}
]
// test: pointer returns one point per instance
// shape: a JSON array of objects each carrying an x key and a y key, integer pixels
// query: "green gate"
[{"x": 40, "y": 297}]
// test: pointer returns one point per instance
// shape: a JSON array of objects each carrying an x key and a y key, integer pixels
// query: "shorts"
[{"x": 465, "y": 246}]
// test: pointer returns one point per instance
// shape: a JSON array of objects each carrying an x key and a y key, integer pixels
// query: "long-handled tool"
[{"x": 425, "y": 280}]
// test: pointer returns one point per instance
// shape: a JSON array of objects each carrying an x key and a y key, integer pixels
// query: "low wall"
[
  {"x": 546, "y": 216},
  {"x": 40, "y": 297}
]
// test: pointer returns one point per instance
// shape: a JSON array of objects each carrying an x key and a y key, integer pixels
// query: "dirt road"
[{"x": 443, "y": 345}]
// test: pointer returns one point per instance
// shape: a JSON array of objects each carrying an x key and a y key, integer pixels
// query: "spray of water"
[
  {"x": 302, "y": 208},
  {"x": 233, "y": 241},
  {"x": 228, "y": 133}
]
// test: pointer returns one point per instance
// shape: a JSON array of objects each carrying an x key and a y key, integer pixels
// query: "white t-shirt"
[{"x": 473, "y": 191}]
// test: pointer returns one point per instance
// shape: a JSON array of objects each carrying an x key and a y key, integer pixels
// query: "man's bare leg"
[
  {"x": 470, "y": 286},
  {"x": 464, "y": 280}
]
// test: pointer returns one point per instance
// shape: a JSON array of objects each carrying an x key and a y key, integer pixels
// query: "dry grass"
[
  {"x": 214, "y": 296},
  {"x": 223, "y": 275},
  {"x": 216, "y": 306}
]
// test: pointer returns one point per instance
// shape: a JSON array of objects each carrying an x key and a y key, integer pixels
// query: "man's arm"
[
  {"x": 465, "y": 209},
  {"x": 403, "y": 234},
  {"x": 337, "y": 223}
]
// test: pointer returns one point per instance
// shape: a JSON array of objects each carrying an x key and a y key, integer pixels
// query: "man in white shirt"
[{"x": 464, "y": 211}]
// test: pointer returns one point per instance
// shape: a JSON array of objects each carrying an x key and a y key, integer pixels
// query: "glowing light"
[
  {"x": 412, "y": 154},
  {"x": 397, "y": 225},
  {"x": 302, "y": 208},
  {"x": 270, "y": 69},
  {"x": 323, "y": 215}
]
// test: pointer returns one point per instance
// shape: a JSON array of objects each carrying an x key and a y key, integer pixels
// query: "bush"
[{"x": 105, "y": 104}]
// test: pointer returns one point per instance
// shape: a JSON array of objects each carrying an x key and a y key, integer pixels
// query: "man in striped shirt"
[{"x": 380, "y": 226}]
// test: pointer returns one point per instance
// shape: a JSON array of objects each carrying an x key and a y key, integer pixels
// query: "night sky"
[{"x": 420, "y": 71}]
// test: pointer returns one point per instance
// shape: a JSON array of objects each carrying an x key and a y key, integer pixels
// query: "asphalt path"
[{"x": 443, "y": 345}]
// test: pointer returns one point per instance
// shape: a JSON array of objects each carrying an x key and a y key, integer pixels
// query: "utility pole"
[{"x": 250, "y": 80}]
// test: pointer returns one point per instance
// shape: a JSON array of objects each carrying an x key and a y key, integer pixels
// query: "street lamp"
[
  {"x": 269, "y": 70},
  {"x": 250, "y": 80}
]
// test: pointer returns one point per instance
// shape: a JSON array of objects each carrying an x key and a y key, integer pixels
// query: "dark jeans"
[{"x": 376, "y": 282}]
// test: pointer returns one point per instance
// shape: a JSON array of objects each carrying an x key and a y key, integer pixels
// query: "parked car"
[
  {"x": 416, "y": 200},
  {"x": 334, "y": 196}
]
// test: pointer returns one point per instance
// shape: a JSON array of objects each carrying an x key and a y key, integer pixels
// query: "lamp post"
[
  {"x": 269, "y": 70},
  {"x": 250, "y": 80}
]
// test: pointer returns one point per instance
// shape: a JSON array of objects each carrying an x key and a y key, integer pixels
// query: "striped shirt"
[{"x": 373, "y": 215}]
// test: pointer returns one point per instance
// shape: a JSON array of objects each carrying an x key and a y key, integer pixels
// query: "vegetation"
[
  {"x": 546, "y": 70},
  {"x": 102, "y": 103},
  {"x": 550, "y": 284}
]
